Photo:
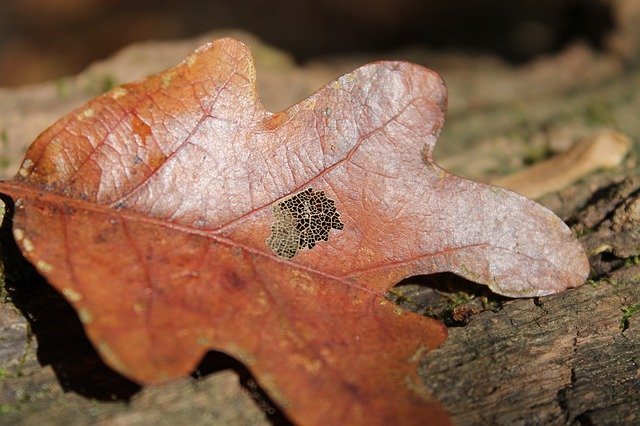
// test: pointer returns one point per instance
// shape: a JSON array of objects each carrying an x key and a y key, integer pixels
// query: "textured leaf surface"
[{"x": 177, "y": 215}]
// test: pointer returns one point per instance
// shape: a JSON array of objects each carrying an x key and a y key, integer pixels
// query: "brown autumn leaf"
[{"x": 177, "y": 215}]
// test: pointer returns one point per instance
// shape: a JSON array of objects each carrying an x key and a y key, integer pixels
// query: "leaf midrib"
[{"x": 23, "y": 191}]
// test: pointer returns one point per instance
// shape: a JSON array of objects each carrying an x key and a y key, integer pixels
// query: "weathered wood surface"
[
  {"x": 563, "y": 359},
  {"x": 569, "y": 358}
]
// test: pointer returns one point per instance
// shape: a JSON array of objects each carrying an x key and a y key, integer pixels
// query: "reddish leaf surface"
[{"x": 177, "y": 215}]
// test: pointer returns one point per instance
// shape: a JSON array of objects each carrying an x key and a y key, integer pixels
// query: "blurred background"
[
  {"x": 526, "y": 79},
  {"x": 46, "y": 39}
]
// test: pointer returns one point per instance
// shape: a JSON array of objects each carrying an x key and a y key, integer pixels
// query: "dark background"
[{"x": 46, "y": 39}]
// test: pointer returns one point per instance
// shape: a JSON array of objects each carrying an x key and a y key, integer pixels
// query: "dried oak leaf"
[{"x": 177, "y": 215}]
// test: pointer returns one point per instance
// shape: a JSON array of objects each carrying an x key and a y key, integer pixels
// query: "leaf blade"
[{"x": 152, "y": 208}]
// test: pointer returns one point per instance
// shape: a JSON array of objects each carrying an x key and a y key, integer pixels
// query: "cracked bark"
[{"x": 563, "y": 366}]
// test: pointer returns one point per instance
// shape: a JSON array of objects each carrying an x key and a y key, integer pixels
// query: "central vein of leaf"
[{"x": 19, "y": 191}]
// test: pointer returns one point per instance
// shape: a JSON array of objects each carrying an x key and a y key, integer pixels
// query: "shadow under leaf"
[
  {"x": 445, "y": 297},
  {"x": 217, "y": 361},
  {"x": 62, "y": 343}
]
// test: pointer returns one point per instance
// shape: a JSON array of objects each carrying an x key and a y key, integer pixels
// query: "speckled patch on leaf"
[{"x": 301, "y": 221}]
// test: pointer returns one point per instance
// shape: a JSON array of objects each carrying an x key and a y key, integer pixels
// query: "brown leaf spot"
[
  {"x": 275, "y": 120},
  {"x": 232, "y": 281},
  {"x": 140, "y": 128}
]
